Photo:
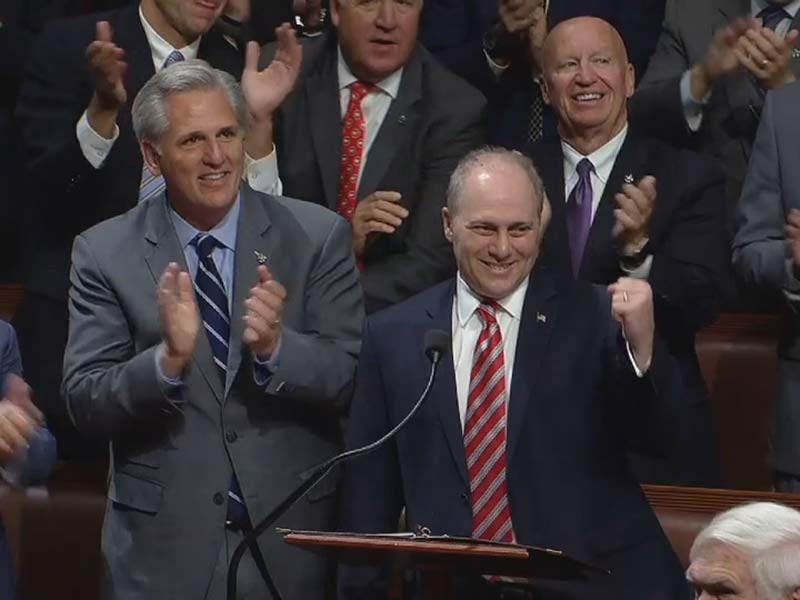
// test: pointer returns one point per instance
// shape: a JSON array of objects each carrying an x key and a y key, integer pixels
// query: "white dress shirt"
[
  {"x": 96, "y": 148},
  {"x": 603, "y": 160},
  {"x": 693, "y": 107},
  {"x": 374, "y": 105},
  {"x": 467, "y": 327}
]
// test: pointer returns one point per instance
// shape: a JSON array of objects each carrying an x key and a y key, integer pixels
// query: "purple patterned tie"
[{"x": 579, "y": 213}]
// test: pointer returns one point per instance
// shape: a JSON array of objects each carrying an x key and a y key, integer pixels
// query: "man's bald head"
[
  {"x": 587, "y": 81},
  {"x": 582, "y": 26}
]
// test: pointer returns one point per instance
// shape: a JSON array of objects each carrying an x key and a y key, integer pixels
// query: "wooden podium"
[{"x": 439, "y": 558}]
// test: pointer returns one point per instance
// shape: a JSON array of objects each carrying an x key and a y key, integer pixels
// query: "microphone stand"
[{"x": 320, "y": 471}]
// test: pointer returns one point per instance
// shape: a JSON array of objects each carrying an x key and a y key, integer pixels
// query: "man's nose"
[{"x": 387, "y": 15}]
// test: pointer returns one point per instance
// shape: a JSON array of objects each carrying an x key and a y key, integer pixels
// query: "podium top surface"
[{"x": 455, "y": 555}]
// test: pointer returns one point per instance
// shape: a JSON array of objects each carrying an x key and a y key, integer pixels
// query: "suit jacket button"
[
  {"x": 465, "y": 497},
  {"x": 218, "y": 499},
  {"x": 231, "y": 436}
]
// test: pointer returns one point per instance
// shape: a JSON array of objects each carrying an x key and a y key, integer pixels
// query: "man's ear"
[
  {"x": 334, "y": 12},
  {"x": 447, "y": 223},
  {"x": 544, "y": 219},
  {"x": 545, "y": 90},
  {"x": 152, "y": 158}
]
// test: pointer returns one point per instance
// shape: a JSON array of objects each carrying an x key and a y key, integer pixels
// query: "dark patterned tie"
[
  {"x": 536, "y": 117},
  {"x": 579, "y": 213},
  {"x": 212, "y": 302},
  {"x": 772, "y": 16}
]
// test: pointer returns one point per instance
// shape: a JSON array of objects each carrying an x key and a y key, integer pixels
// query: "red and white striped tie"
[{"x": 485, "y": 433}]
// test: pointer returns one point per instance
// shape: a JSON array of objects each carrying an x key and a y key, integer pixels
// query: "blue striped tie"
[
  {"x": 150, "y": 184},
  {"x": 213, "y": 304}
]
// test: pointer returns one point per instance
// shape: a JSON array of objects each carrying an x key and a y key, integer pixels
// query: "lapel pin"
[
  {"x": 796, "y": 53},
  {"x": 541, "y": 318},
  {"x": 261, "y": 258},
  {"x": 401, "y": 119},
  {"x": 628, "y": 178}
]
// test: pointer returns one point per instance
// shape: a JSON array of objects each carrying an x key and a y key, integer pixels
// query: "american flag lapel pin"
[
  {"x": 541, "y": 318},
  {"x": 629, "y": 178},
  {"x": 261, "y": 258}
]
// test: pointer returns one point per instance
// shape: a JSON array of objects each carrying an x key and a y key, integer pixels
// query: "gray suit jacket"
[
  {"x": 172, "y": 460},
  {"x": 434, "y": 121},
  {"x": 762, "y": 255},
  {"x": 731, "y": 117}
]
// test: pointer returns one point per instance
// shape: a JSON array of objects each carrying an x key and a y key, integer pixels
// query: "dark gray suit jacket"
[
  {"x": 171, "y": 460},
  {"x": 435, "y": 120},
  {"x": 731, "y": 118},
  {"x": 762, "y": 256}
]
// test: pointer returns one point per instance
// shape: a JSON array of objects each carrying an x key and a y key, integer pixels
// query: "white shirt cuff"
[
  {"x": 262, "y": 174},
  {"x": 692, "y": 109},
  {"x": 94, "y": 146},
  {"x": 642, "y": 271},
  {"x": 497, "y": 70},
  {"x": 639, "y": 372}
]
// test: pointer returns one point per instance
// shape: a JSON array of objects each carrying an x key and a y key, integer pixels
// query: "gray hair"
[
  {"x": 149, "y": 112},
  {"x": 769, "y": 535},
  {"x": 482, "y": 157}
]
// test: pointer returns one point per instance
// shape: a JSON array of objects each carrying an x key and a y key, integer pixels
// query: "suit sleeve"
[
  {"x": 692, "y": 260},
  {"x": 107, "y": 386},
  {"x": 656, "y": 107},
  {"x": 318, "y": 363},
  {"x": 427, "y": 258},
  {"x": 371, "y": 493},
  {"x": 11, "y": 360},
  {"x": 640, "y": 406},
  {"x": 54, "y": 95},
  {"x": 762, "y": 256}
]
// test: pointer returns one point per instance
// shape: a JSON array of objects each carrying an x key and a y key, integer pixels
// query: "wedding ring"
[
  {"x": 764, "y": 62},
  {"x": 624, "y": 296}
]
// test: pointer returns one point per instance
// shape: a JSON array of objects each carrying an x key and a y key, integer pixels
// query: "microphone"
[{"x": 437, "y": 344}]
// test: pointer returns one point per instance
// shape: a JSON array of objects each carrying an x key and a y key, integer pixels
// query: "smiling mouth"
[
  {"x": 588, "y": 97},
  {"x": 210, "y": 6},
  {"x": 497, "y": 267},
  {"x": 214, "y": 177}
]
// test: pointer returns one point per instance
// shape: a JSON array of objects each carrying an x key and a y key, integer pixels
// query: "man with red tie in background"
[
  {"x": 373, "y": 130},
  {"x": 523, "y": 436}
]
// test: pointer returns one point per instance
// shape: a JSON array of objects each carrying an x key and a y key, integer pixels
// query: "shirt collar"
[
  {"x": 160, "y": 48},
  {"x": 603, "y": 158},
  {"x": 756, "y": 6},
  {"x": 390, "y": 85},
  {"x": 225, "y": 231},
  {"x": 467, "y": 301}
]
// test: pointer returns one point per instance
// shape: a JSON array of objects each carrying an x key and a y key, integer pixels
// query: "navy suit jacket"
[
  {"x": 690, "y": 266},
  {"x": 569, "y": 482},
  {"x": 68, "y": 195},
  {"x": 40, "y": 458}
]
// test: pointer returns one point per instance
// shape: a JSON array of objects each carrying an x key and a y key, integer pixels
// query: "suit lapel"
[
  {"x": 254, "y": 223},
  {"x": 129, "y": 34},
  {"x": 730, "y": 9},
  {"x": 539, "y": 315},
  {"x": 325, "y": 120},
  {"x": 550, "y": 162},
  {"x": 399, "y": 122},
  {"x": 164, "y": 249},
  {"x": 443, "y": 392}
]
